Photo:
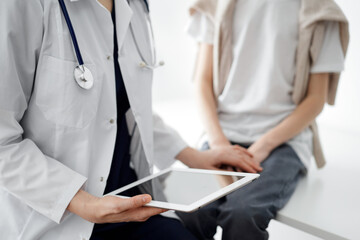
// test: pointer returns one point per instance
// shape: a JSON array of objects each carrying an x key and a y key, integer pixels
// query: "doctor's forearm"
[{"x": 191, "y": 157}]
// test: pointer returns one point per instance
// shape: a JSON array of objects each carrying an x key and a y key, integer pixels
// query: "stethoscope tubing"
[
  {"x": 147, "y": 6},
  {"x": 81, "y": 66},
  {"x": 72, "y": 32}
]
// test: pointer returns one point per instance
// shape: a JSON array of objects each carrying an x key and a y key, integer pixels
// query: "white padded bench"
[{"x": 327, "y": 202}]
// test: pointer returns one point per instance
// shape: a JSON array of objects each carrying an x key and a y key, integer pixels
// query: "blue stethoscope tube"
[
  {"x": 82, "y": 74},
  {"x": 147, "y": 5},
  {"x": 72, "y": 32}
]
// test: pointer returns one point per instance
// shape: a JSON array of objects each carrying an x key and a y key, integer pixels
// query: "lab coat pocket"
[{"x": 60, "y": 98}]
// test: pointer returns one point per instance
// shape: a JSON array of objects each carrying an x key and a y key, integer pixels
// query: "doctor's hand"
[
  {"x": 111, "y": 209},
  {"x": 218, "y": 157}
]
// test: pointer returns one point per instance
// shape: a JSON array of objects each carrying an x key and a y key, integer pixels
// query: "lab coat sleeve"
[
  {"x": 43, "y": 183},
  {"x": 167, "y": 143}
]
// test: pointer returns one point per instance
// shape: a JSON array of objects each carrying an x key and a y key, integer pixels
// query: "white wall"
[{"x": 173, "y": 82}]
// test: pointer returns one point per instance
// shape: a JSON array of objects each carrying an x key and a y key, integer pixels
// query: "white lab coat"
[{"x": 55, "y": 137}]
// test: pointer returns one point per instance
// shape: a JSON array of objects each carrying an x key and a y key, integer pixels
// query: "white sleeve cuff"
[
  {"x": 59, "y": 209},
  {"x": 328, "y": 68},
  {"x": 201, "y": 28},
  {"x": 167, "y": 144},
  {"x": 331, "y": 57}
]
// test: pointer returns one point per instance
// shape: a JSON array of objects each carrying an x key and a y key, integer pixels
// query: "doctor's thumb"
[{"x": 138, "y": 201}]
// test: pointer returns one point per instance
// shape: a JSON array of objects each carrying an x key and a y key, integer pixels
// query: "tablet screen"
[{"x": 181, "y": 187}]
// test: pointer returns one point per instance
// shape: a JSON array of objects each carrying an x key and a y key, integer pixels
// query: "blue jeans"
[{"x": 246, "y": 213}]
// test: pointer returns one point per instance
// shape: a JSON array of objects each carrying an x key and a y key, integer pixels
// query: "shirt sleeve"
[
  {"x": 331, "y": 56},
  {"x": 167, "y": 143},
  {"x": 201, "y": 28},
  {"x": 37, "y": 180}
]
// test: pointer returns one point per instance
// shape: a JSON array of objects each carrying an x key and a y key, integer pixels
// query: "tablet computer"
[{"x": 186, "y": 189}]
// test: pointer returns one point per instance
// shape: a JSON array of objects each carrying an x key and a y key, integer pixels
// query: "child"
[{"x": 265, "y": 69}]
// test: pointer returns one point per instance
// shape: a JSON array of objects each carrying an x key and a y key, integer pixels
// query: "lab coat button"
[
  {"x": 101, "y": 179},
  {"x": 112, "y": 121},
  {"x": 108, "y": 57}
]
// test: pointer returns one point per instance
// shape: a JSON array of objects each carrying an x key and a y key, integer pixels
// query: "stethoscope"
[{"x": 82, "y": 74}]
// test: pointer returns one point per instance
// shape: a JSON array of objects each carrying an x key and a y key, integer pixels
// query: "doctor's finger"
[
  {"x": 147, "y": 213},
  {"x": 250, "y": 161},
  {"x": 243, "y": 150},
  {"x": 245, "y": 166},
  {"x": 140, "y": 214},
  {"x": 239, "y": 161},
  {"x": 135, "y": 202},
  {"x": 255, "y": 165}
]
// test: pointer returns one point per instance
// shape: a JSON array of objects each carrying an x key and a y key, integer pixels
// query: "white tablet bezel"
[{"x": 247, "y": 178}]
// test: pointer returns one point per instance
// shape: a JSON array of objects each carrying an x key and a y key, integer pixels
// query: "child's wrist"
[{"x": 266, "y": 144}]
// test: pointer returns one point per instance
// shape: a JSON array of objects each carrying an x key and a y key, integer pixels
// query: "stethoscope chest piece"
[{"x": 83, "y": 77}]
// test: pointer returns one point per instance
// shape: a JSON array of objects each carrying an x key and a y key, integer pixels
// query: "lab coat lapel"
[{"x": 123, "y": 17}]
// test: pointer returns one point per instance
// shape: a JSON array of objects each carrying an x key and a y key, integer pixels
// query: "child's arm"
[
  {"x": 206, "y": 99},
  {"x": 205, "y": 96},
  {"x": 291, "y": 126}
]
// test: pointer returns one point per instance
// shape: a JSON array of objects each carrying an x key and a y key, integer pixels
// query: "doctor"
[{"x": 76, "y": 122}]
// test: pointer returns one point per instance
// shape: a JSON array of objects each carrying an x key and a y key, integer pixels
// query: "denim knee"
[
  {"x": 247, "y": 214},
  {"x": 245, "y": 221}
]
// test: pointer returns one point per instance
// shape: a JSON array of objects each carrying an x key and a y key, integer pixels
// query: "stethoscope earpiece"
[
  {"x": 145, "y": 64},
  {"x": 142, "y": 64}
]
